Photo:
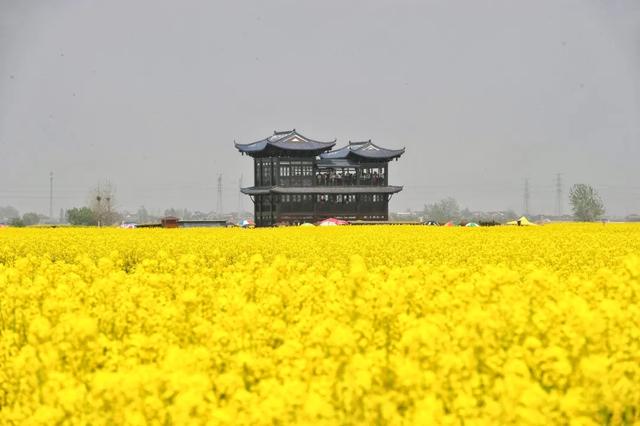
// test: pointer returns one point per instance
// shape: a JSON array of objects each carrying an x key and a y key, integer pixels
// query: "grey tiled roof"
[
  {"x": 287, "y": 140},
  {"x": 255, "y": 191},
  {"x": 322, "y": 190},
  {"x": 364, "y": 149}
]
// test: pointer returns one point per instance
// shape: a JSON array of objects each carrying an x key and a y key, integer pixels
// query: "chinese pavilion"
[{"x": 298, "y": 179}]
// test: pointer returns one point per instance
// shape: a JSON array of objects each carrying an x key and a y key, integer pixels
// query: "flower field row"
[{"x": 346, "y": 325}]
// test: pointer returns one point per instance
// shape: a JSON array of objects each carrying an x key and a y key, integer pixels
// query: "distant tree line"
[
  {"x": 586, "y": 204},
  {"x": 9, "y": 212},
  {"x": 186, "y": 214},
  {"x": 448, "y": 210},
  {"x": 12, "y": 217}
]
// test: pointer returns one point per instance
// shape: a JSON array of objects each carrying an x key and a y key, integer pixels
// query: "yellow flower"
[{"x": 356, "y": 325}]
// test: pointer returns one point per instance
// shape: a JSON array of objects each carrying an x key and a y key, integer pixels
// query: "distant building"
[
  {"x": 175, "y": 222},
  {"x": 632, "y": 218},
  {"x": 298, "y": 179}
]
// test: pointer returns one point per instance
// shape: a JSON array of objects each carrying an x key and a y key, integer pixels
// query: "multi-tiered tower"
[{"x": 298, "y": 179}]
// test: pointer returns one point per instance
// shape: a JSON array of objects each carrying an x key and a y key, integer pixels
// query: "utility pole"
[
  {"x": 219, "y": 201},
  {"x": 559, "y": 194},
  {"x": 109, "y": 208},
  {"x": 99, "y": 209},
  {"x": 527, "y": 197},
  {"x": 240, "y": 206},
  {"x": 51, "y": 196}
]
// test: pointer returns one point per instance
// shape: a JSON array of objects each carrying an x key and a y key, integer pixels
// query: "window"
[
  {"x": 266, "y": 170},
  {"x": 284, "y": 171}
]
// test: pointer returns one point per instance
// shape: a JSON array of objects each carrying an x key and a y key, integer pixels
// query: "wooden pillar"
[
  {"x": 257, "y": 206},
  {"x": 315, "y": 206},
  {"x": 273, "y": 208}
]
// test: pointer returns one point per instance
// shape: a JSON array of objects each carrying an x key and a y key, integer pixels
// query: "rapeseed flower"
[{"x": 354, "y": 325}]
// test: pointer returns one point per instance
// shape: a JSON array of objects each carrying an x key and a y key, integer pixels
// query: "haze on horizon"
[{"x": 483, "y": 94}]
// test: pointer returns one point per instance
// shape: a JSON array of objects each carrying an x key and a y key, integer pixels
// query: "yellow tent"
[{"x": 523, "y": 221}]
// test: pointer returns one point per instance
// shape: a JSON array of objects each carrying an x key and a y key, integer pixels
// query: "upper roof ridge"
[
  {"x": 287, "y": 140},
  {"x": 366, "y": 149},
  {"x": 359, "y": 142},
  {"x": 283, "y": 132}
]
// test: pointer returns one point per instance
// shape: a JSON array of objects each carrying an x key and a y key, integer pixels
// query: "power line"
[
  {"x": 527, "y": 196},
  {"x": 219, "y": 201},
  {"x": 559, "y": 194},
  {"x": 50, "y": 195}
]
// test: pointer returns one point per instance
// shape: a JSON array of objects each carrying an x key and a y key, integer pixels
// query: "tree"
[
  {"x": 82, "y": 216},
  {"x": 17, "y": 222},
  {"x": 30, "y": 219},
  {"x": 9, "y": 212},
  {"x": 467, "y": 215},
  {"x": 443, "y": 211},
  {"x": 585, "y": 202},
  {"x": 510, "y": 215},
  {"x": 102, "y": 202},
  {"x": 142, "y": 215},
  {"x": 172, "y": 212}
]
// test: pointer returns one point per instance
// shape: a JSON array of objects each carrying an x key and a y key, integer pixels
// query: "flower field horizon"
[{"x": 395, "y": 325}]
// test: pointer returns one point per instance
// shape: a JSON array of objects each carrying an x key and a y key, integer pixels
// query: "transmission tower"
[
  {"x": 219, "y": 200},
  {"x": 51, "y": 196},
  {"x": 527, "y": 197},
  {"x": 559, "y": 194},
  {"x": 240, "y": 206}
]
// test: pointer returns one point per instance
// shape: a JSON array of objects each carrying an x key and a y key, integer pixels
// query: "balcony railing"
[
  {"x": 349, "y": 180},
  {"x": 322, "y": 207}
]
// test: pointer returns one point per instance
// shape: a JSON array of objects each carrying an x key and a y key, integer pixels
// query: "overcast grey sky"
[{"x": 151, "y": 94}]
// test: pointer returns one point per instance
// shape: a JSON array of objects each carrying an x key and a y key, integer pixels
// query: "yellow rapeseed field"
[{"x": 347, "y": 325}]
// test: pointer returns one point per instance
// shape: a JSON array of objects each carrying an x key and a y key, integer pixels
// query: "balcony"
[{"x": 324, "y": 179}]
